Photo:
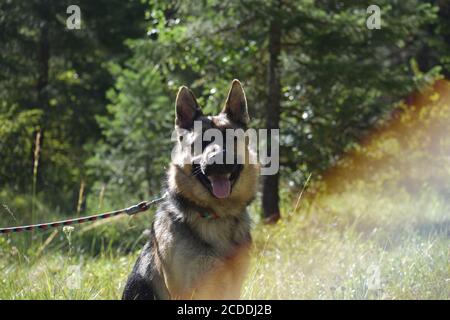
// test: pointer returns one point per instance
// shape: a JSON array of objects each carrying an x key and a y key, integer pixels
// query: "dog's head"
[{"x": 213, "y": 162}]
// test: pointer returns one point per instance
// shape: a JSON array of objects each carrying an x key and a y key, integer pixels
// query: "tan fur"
[{"x": 222, "y": 281}]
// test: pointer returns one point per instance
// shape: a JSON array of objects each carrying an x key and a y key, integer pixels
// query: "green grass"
[
  {"x": 356, "y": 244},
  {"x": 334, "y": 249}
]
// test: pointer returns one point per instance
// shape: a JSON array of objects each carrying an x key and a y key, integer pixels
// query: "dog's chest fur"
[
  {"x": 215, "y": 235},
  {"x": 202, "y": 257}
]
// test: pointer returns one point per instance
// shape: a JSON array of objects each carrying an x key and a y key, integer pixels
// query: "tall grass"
[{"x": 331, "y": 249}]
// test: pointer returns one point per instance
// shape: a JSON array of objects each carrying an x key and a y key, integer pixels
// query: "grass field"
[{"x": 351, "y": 245}]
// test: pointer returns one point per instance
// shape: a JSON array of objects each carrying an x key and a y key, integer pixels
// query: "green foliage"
[
  {"x": 104, "y": 104},
  {"x": 338, "y": 77},
  {"x": 16, "y": 132},
  {"x": 136, "y": 146},
  {"x": 56, "y": 79},
  {"x": 103, "y": 99}
]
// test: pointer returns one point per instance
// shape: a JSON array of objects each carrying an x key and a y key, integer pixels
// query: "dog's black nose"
[
  {"x": 218, "y": 169},
  {"x": 214, "y": 160}
]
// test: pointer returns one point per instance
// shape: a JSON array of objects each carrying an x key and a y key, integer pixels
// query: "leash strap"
[{"x": 140, "y": 207}]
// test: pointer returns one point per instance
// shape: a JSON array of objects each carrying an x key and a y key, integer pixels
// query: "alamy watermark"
[
  {"x": 74, "y": 276},
  {"x": 73, "y": 22},
  {"x": 236, "y": 146},
  {"x": 374, "y": 20},
  {"x": 373, "y": 280}
]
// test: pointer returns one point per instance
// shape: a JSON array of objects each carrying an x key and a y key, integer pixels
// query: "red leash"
[{"x": 141, "y": 207}]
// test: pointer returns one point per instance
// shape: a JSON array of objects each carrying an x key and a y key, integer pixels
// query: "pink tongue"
[{"x": 221, "y": 186}]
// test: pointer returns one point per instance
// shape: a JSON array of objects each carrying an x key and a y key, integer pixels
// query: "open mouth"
[{"x": 219, "y": 185}]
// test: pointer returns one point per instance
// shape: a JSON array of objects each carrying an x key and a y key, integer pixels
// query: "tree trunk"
[
  {"x": 270, "y": 197},
  {"x": 43, "y": 59}
]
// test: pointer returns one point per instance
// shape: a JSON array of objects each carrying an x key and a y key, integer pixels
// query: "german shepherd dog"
[{"x": 200, "y": 238}]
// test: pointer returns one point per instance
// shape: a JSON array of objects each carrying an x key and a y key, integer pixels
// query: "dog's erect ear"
[
  {"x": 236, "y": 104},
  {"x": 187, "y": 109}
]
